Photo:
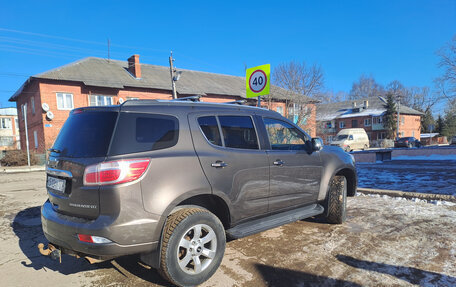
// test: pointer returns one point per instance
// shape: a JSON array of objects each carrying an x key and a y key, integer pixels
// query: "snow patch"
[{"x": 424, "y": 157}]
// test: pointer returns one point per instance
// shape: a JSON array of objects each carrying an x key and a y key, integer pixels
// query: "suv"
[
  {"x": 171, "y": 180},
  {"x": 408, "y": 142}
]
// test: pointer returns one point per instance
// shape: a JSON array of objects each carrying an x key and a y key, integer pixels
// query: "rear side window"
[
  {"x": 238, "y": 132},
  {"x": 137, "y": 132},
  {"x": 86, "y": 134},
  {"x": 210, "y": 129}
]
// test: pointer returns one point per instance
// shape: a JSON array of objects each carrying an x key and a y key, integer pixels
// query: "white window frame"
[
  {"x": 64, "y": 101},
  {"x": 342, "y": 125},
  {"x": 4, "y": 124},
  {"x": 367, "y": 122},
  {"x": 35, "y": 136},
  {"x": 32, "y": 103},
  {"x": 104, "y": 99}
]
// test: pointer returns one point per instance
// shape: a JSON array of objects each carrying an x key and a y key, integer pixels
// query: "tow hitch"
[
  {"x": 56, "y": 253},
  {"x": 52, "y": 251}
]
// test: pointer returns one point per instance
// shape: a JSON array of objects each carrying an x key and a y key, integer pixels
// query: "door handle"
[
  {"x": 279, "y": 162},
  {"x": 219, "y": 163}
]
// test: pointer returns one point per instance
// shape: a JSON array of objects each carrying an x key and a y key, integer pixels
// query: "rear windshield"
[
  {"x": 86, "y": 134},
  {"x": 137, "y": 132}
]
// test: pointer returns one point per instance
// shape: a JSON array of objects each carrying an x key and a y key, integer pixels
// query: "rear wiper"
[{"x": 54, "y": 150}]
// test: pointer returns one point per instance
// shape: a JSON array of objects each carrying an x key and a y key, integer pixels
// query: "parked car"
[
  {"x": 453, "y": 140},
  {"x": 407, "y": 142},
  {"x": 170, "y": 180},
  {"x": 351, "y": 139}
]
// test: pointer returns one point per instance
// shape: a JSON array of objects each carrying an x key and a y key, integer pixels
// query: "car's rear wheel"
[
  {"x": 193, "y": 245},
  {"x": 336, "y": 200}
]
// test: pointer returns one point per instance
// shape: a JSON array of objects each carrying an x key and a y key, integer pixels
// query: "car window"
[
  {"x": 238, "y": 132},
  {"x": 284, "y": 136},
  {"x": 137, "y": 132},
  {"x": 86, "y": 134},
  {"x": 210, "y": 129}
]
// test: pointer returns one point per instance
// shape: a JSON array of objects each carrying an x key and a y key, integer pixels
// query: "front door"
[
  {"x": 295, "y": 171},
  {"x": 229, "y": 152}
]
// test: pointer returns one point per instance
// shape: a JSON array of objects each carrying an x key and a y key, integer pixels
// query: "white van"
[{"x": 351, "y": 139}]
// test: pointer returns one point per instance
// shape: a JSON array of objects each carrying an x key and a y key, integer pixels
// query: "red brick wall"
[{"x": 410, "y": 126}]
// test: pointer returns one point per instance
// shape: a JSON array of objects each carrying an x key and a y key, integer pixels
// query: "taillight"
[{"x": 115, "y": 172}]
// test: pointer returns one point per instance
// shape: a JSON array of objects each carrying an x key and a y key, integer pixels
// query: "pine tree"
[
  {"x": 440, "y": 126},
  {"x": 390, "y": 116}
]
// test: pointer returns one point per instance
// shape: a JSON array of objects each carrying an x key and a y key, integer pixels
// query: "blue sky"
[{"x": 390, "y": 40}]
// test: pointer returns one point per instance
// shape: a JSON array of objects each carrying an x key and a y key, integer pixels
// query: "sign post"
[{"x": 258, "y": 81}]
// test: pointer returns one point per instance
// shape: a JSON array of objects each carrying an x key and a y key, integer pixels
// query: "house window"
[
  {"x": 354, "y": 123},
  {"x": 22, "y": 112},
  {"x": 35, "y": 136},
  {"x": 32, "y": 103},
  {"x": 280, "y": 110},
  {"x": 64, "y": 101},
  {"x": 341, "y": 125},
  {"x": 367, "y": 122},
  {"x": 402, "y": 120},
  {"x": 99, "y": 100},
  {"x": 5, "y": 123},
  {"x": 17, "y": 124},
  {"x": 328, "y": 125},
  {"x": 377, "y": 120},
  {"x": 381, "y": 136}
]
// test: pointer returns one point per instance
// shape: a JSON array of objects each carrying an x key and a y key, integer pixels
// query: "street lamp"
[{"x": 175, "y": 75}]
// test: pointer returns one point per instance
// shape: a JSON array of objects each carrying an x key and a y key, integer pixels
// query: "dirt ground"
[{"x": 385, "y": 241}]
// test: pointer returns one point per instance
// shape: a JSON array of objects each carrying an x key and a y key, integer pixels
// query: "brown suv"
[{"x": 170, "y": 180}]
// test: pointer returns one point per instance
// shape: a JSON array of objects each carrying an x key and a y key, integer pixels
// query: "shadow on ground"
[
  {"x": 275, "y": 276},
  {"x": 408, "y": 274}
]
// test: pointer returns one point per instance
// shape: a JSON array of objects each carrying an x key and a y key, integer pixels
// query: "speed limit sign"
[{"x": 257, "y": 81}]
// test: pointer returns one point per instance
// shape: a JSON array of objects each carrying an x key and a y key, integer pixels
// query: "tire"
[
  {"x": 336, "y": 201},
  {"x": 182, "y": 248}
]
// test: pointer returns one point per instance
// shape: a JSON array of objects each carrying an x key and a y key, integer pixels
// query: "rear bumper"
[{"x": 128, "y": 237}]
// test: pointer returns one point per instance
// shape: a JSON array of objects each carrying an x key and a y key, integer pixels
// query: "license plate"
[{"x": 56, "y": 184}]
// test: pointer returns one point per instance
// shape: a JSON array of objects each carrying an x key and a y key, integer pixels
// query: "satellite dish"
[
  {"x": 45, "y": 107},
  {"x": 50, "y": 115},
  {"x": 121, "y": 100}
]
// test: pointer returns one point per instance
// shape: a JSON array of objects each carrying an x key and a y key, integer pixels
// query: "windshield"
[
  {"x": 86, "y": 134},
  {"x": 341, "y": 137}
]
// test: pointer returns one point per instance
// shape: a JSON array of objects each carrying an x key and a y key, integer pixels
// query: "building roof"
[
  {"x": 346, "y": 109},
  {"x": 101, "y": 72},
  {"x": 8, "y": 112}
]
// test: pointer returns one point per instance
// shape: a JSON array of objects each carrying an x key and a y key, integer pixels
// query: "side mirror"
[{"x": 317, "y": 144}]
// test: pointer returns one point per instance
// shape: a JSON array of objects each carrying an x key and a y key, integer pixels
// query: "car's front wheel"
[
  {"x": 193, "y": 244},
  {"x": 336, "y": 200}
]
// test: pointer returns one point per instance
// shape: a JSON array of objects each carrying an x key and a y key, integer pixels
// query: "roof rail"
[
  {"x": 191, "y": 99},
  {"x": 239, "y": 102}
]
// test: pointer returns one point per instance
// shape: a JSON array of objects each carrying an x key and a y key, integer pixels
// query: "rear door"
[
  {"x": 83, "y": 140},
  {"x": 295, "y": 171},
  {"x": 229, "y": 152}
]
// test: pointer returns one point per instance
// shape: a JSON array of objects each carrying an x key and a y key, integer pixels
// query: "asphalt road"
[
  {"x": 385, "y": 241},
  {"x": 426, "y": 176}
]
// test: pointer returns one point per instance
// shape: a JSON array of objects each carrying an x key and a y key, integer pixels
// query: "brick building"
[
  {"x": 9, "y": 130},
  {"x": 364, "y": 113},
  {"x": 96, "y": 81}
]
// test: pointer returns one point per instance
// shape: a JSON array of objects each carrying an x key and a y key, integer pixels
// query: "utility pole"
[
  {"x": 109, "y": 46},
  {"x": 24, "y": 112},
  {"x": 398, "y": 114},
  {"x": 172, "y": 71}
]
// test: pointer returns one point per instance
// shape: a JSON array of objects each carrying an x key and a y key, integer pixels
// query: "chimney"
[
  {"x": 134, "y": 67},
  {"x": 366, "y": 104}
]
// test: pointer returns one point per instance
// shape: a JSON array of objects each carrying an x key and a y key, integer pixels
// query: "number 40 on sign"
[{"x": 257, "y": 81}]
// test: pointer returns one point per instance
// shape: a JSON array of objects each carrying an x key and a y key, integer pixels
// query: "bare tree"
[
  {"x": 365, "y": 87},
  {"x": 301, "y": 83},
  {"x": 447, "y": 81}
]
